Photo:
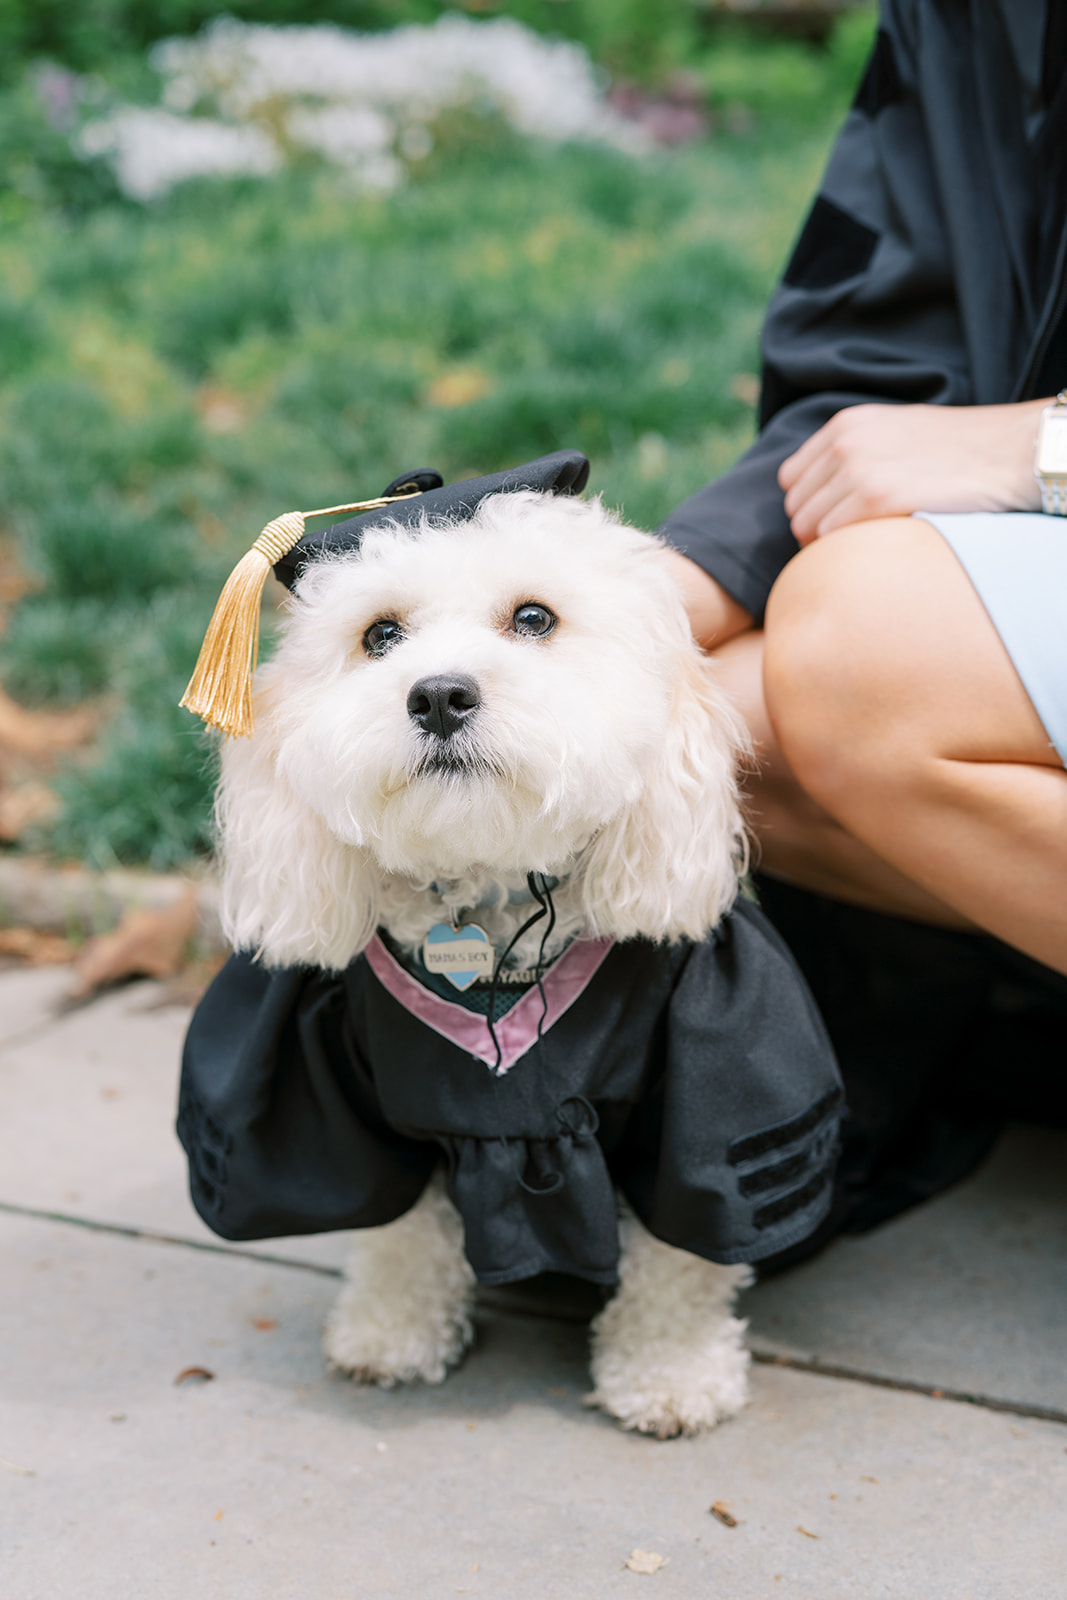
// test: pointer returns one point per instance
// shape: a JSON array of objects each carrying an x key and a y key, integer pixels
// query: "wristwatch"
[{"x": 1050, "y": 457}]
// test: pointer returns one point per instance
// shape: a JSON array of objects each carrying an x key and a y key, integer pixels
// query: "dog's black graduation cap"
[
  {"x": 220, "y": 689},
  {"x": 425, "y": 494}
]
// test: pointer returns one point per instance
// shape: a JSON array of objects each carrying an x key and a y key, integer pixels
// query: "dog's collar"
[
  {"x": 516, "y": 897},
  {"x": 461, "y": 951}
]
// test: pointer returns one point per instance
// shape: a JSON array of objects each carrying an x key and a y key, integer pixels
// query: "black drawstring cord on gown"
[
  {"x": 538, "y": 887},
  {"x": 545, "y": 908}
]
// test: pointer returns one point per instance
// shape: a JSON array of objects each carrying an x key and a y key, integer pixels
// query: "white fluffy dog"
[{"x": 451, "y": 709}]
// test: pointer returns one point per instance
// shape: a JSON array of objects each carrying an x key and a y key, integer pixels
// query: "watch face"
[{"x": 1052, "y": 443}]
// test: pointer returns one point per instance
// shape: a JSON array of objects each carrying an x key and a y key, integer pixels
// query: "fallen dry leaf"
[
  {"x": 14, "y": 582},
  {"x": 264, "y": 1324},
  {"x": 145, "y": 944},
  {"x": 186, "y": 987},
  {"x": 646, "y": 1561},
  {"x": 719, "y": 1511},
  {"x": 805, "y": 1532},
  {"x": 459, "y": 387},
  {"x": 194, "y": 1375},
  {"x": 35, "y": 732},
  {"x": 34, "y": 948},
  {"x": 22, "y": 804},
  {"x": 220, "y": 411}
]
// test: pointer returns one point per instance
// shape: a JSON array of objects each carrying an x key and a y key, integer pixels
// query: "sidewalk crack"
[
  {"x": 811, "y": 1365},
  {"x": 151, "y": 1236},
  {"x": 933, "y": 1391}
]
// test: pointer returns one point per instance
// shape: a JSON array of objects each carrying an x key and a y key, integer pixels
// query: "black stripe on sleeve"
[
  {"x": 795, "y": 1199},
  {"x": 783, "y": 1133}
]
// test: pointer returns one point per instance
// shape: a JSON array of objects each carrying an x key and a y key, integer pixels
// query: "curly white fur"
[
  {"x": 668, "y": 1357},
  {"x": 602, "y": 754},
  {"x": 404, "y": 1313}
]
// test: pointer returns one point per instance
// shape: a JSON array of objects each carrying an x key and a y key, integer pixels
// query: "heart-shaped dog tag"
[{"x": 462, "y": 955}]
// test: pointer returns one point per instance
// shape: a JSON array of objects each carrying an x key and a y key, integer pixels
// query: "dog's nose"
[{"x": 442, "y": 704}]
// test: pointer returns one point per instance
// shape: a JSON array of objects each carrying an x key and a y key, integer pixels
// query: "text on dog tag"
[{"x": 462, "y": 955}]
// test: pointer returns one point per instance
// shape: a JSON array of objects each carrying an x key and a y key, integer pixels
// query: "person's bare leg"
[
  {"x": 796, "y": 839},
  {"x": 900, "y": 714},
  {"x": 714, "y": 615}
]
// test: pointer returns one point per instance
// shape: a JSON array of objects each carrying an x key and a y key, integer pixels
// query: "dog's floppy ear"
[
  {"x": 667, "y": 866},
  {"x": 291, "y": 891}
]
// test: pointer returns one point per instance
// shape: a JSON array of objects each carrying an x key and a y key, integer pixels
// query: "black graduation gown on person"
[
  {"x": 932, "y": 266},
  {"x": 697, "y": 1078}
]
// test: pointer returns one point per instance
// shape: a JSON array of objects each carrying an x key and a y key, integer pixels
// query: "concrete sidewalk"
[{"x": 853, "y": 1473}]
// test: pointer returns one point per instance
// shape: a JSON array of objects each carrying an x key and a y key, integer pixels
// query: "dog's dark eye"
[
  {"x": 382, "y": 635},
  {"x": 532, "y": 621}
]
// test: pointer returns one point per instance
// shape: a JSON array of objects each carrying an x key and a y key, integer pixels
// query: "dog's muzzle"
[{"x": 441, "y": 705}]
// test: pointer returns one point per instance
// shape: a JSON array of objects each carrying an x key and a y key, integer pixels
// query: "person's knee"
[{"x": 832, "y": 664}]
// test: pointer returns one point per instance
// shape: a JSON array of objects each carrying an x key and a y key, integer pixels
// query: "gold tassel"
[{"x": 220, "y": 689}]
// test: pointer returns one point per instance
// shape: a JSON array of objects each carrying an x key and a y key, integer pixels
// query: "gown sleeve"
[
  {"x": 278, "y": 1113},
  {"x": 866, "y": 311},
  {"x": 732, "y": 1157}
]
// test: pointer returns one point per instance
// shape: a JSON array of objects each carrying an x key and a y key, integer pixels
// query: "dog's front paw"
[
  {"x": 387, "y": 1344},
  {"x": 668, "y": 1357},
  {"x": 404, "y": 1314},
  {"x": 669, "y": 1387}
]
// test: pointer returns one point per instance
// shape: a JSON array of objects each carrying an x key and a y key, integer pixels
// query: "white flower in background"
[
  {"x": 351, "y": 136},
  {"x": 352, "y": 98},
  {"x": 152, "y": 150}
]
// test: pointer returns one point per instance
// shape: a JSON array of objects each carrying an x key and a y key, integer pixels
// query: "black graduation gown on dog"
[{"x": 696, "y": 1077}]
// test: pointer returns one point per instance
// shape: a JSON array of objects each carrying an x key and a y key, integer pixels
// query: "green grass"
[
  {"x": 639, "y": 38},
  {"x": 178, "y": 374}
]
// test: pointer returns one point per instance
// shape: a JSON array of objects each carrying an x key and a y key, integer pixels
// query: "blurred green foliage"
[
  {"x": 635, "y": 36},
  {"x": 175, "y": 375},
  {"x": 38, "y": 167}
]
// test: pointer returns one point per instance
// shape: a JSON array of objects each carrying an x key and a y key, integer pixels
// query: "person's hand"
[{"x": 884, "y": 461}]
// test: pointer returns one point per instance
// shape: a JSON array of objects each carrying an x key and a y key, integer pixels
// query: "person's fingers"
[
  {"x": 794, "y": 466},
  {"x": 817, "y": 474},
  {"x": 884, "y": 491},
  {"x": 850, "y": 432},
  {"x": 850, "y": 508},
  {"x": 843, "y": 501},
  {"x": 808, "y": 519}
]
